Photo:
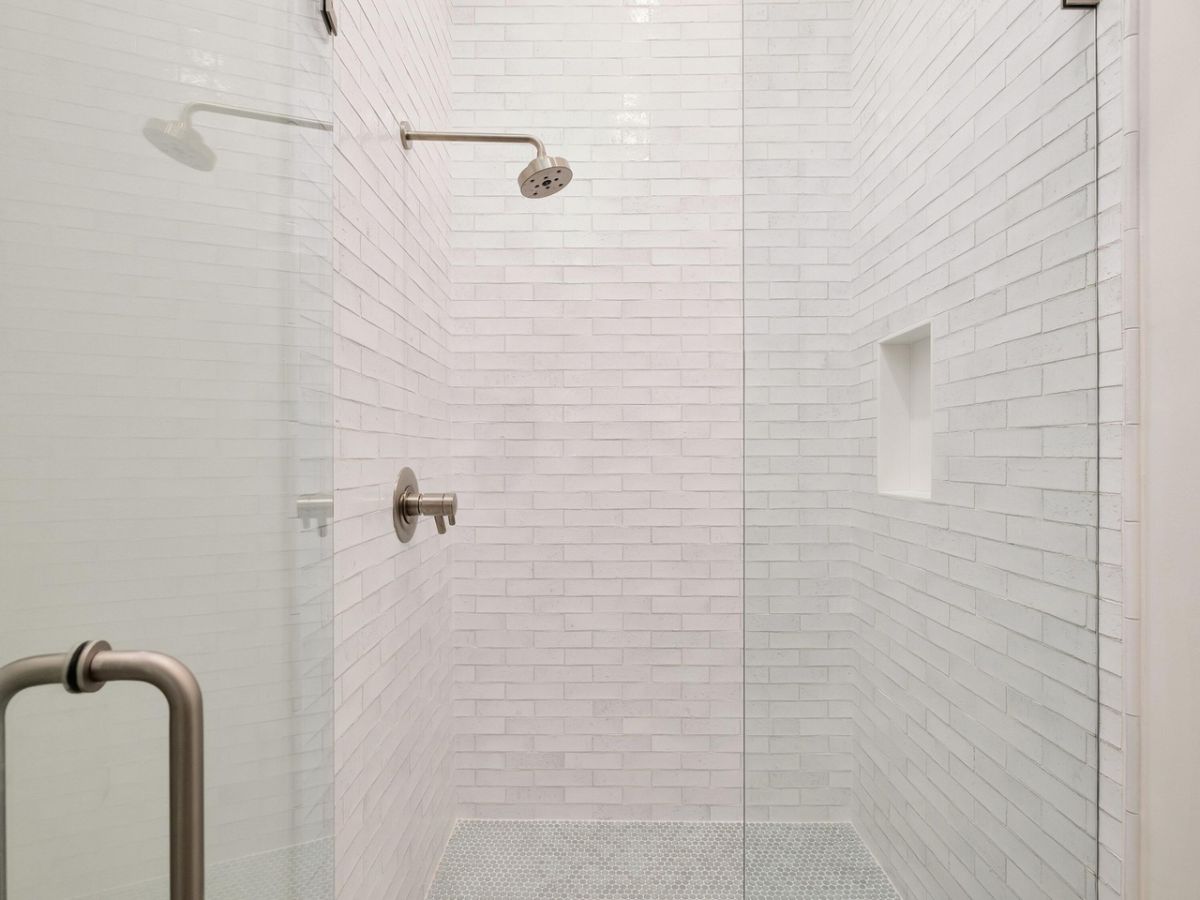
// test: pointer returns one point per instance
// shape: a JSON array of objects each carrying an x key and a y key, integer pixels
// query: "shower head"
[
  {"x": 544, "y": 176},
  {"x": 180, "y": 141}
]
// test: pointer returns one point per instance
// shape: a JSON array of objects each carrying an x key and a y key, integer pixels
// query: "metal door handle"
[{"x": 87, "y": 669}]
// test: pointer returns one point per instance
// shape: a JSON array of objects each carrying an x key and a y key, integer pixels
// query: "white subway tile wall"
[
  {"x": 803, "y": 446},
  {"x": 597, "y": 437},
  {"x": 975, "y": 208},
  {"x": 164, "y": 399},
  {"x": 394, "y": 731}
]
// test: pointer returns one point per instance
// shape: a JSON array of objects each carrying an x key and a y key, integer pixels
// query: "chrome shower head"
[
  {"x": 180, "y": 141},
  {"x": 545, "y": 176}
]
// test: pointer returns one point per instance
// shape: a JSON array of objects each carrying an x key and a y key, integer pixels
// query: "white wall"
[
  {"x": 394, "y": 735},
  {"x": 1170, "y": 397},
  {"x": 598, "y": 401},
  {"x": 975, "y": 749},
  {"x": 802, "y": 445}
]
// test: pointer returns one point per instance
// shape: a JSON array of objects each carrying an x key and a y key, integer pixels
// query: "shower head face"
[
  {"x": 545, "y": 176},
  {"x": 180, "y": 141}
]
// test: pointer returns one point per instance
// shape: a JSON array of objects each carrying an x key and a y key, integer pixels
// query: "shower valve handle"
[
  {"x": 441, "y": 506},
  {"x": 409, "y": 505}
]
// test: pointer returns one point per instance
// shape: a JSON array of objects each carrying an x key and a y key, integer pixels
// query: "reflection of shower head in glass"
[
  {"x": 183, "y": 143},
  {"x": 544, "y": 176},
  {"x": 180, "y": 141}
]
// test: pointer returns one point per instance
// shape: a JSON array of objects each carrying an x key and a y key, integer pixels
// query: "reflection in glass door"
[{"x": 165, "y": 433}]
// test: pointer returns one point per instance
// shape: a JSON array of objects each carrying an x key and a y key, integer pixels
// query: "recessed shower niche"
[{"x": 905, "y": 436}]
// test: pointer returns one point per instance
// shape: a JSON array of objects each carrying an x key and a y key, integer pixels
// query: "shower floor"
[{"x": 551, "y": 860}]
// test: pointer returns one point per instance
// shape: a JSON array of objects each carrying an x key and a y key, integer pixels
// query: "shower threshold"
[{"x": 493, "y": 859}]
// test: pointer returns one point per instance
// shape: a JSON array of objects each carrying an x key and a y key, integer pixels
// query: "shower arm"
[
  {"x": 243, "y": 113},
  {"x": 407, "y": 136}
]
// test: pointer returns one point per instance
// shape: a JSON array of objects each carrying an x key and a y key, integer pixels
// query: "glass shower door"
[{"x": 165, "y": 432}]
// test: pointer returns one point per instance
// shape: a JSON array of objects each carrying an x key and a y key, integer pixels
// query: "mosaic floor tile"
[
  {"x": 552, "y": 860},
  {"x": 812, "y": 861}
]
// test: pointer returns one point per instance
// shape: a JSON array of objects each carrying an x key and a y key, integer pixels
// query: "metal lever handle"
[
  {"x": 440, "y": 506},
  {"x": 409, "y": 504},
  {"x": 87, "y": 669}
]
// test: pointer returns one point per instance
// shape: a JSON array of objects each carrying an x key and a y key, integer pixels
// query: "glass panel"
[
  {"x": 597, "y": 445},
  {"x": 165, "y": 380},
  {"x": 921, "y": 447}
]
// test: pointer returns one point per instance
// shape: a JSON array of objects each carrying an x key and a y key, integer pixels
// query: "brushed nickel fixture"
[
  {"x": 85, "y": 670},
  {"x": 183, "y": 143},
  {"x": 409, "y": 504},
  {"x": 544, "y": 176}
]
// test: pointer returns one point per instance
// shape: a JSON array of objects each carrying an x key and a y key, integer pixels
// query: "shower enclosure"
[
  {"x": 165, "y": 381},
  {"x": 780, "y": 450},
  {"x": 781, "y": 425}
]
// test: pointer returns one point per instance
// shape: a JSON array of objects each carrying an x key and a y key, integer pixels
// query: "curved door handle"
[{"x": 87, "y": 669}]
